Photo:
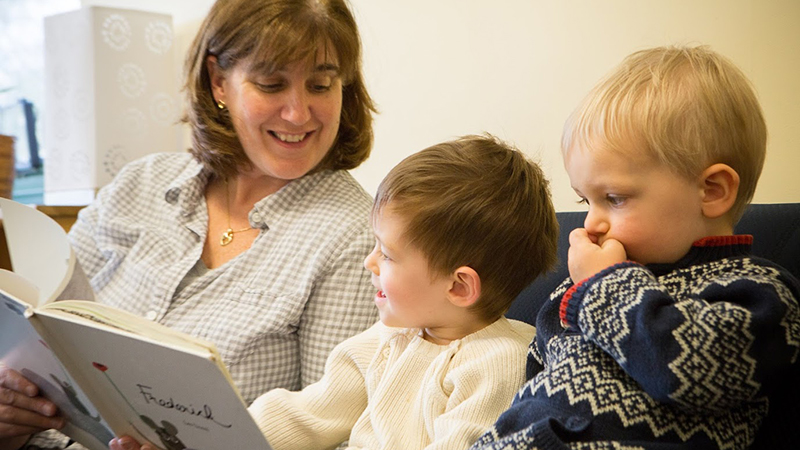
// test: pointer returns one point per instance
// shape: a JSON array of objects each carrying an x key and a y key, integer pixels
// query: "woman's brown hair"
[{"x": 275, "y": 33}]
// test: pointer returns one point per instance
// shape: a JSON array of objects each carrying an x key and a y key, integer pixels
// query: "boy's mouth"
[{"x": 381, "y": 294}]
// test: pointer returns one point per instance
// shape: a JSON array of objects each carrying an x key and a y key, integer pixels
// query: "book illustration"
[
  {"x": 15, "y": 307},
  {"x": 71, "y": 407},
  {"x": 103, "y": 369},
  {"x": 167, "y": 433},
  {"x": 67, "y": 387},
  {"x": 72, "y": 395}
]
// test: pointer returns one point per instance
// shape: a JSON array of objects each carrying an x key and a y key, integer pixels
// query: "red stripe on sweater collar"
[{"x": 718, "y": 241}]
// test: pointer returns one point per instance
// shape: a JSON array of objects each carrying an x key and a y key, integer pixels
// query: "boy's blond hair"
[
  {"x": 688, "y": 107},
  {"x": 476, "y": 202}
]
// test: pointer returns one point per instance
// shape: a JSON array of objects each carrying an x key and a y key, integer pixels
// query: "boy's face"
[
  {"x": 409, "y": 295},
  {"x": 654, "y": 213}
]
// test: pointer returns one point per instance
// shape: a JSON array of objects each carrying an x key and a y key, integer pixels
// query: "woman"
[{"x": 255, "y": 239}]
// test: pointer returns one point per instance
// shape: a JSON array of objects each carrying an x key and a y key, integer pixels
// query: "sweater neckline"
[{"x": 708, "y": 249}]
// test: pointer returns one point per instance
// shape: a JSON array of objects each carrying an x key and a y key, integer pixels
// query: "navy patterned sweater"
[{"x": 658, "y": 356}]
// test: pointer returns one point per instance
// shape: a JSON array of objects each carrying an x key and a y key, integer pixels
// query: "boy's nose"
[
  {"x": 370, "y": 262},
  {"x": 595, "y": 223}
]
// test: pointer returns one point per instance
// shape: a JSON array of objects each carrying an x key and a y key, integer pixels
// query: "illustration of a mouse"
[{"x": 167, "y": 432}]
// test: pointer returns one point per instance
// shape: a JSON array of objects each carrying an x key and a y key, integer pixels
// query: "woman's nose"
[{"x": 297, "y": 109}]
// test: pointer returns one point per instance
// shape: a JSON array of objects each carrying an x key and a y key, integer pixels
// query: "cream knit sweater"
[{"x": 387, "y": 388}]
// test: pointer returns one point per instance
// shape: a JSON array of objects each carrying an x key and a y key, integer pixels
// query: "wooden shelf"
[{"x": 64, "y": 215}]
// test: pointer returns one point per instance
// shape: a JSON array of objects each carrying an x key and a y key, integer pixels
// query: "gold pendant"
[{"x": 226, "y": 238}]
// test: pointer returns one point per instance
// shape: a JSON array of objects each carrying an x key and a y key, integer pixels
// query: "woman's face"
[{"x": 286, "y": 120}]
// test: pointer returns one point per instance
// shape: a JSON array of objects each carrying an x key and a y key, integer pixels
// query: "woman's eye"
[
  {"x": 320, "y": 86},
  {"x": 270, "y": 86}
]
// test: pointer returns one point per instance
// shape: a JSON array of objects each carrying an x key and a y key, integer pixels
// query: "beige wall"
[{"x": 516, "y": 68}]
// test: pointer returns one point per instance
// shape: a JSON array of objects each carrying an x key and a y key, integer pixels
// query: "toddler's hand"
[{"x": 585, "y": 258}]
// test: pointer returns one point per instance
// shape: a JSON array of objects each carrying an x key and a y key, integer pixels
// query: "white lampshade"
[{"x": 111, "y": 97}]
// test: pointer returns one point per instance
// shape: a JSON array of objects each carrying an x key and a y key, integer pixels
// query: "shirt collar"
[
  {"x": 188, "y": 189},
  {"x": 286, "y": 199}
]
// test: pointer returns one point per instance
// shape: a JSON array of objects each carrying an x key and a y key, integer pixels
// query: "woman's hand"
[
  {"x": 128, "y": 443},
  {"x": 23, "y": 411}
]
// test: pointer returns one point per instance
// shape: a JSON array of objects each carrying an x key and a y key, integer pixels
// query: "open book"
[{"x": 110, "y": 372}]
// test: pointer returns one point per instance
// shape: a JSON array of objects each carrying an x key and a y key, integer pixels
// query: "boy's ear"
[
  {"x": 465, "y": 288},
  {"x": 720, "y": 187},
  {"x": 215, "y": 77}
]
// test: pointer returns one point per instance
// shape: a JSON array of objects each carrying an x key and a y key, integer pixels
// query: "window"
[{"x": 22, "y": 86}]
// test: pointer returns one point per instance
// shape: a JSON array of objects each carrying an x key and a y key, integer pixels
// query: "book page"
[
  {"x": 78, "y": 286},
  {"x": 40, "y": 252},
  {"x": 117, "y": 319},
  {"x": 18, "y": 287}
]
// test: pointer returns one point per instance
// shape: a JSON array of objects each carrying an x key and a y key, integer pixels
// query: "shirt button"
[
  {"x": 255, "y": 217},
  {"x": 151, "y": 315},
  {"x": 386, "y": 351}
]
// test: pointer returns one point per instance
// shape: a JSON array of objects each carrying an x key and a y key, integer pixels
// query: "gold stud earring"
[{"x": 220, "y": 104}]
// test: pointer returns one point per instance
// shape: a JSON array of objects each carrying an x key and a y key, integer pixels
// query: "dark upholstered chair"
[{"x": 776, "y": 236}]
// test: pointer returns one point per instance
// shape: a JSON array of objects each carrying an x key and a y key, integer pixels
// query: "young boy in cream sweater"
[
  {"x": 668, "y": 334},
  {"x": 461, "y": 228}
]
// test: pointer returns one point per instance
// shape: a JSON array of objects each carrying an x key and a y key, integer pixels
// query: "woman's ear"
[
  {"x": 216, "y": 78},
  {"x": 720, "y": 187},
  {"x": 465, "y": 288}
]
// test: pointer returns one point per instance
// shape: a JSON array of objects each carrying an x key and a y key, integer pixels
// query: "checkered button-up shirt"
[{"x": 276, "y": 310}]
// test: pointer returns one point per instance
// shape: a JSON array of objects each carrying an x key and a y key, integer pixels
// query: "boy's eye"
[
  {"x": 379, "y": 251},
  {"x": 615, "y": 200}
]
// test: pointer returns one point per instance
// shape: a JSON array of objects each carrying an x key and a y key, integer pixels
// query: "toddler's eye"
[
  {"x": 583, "y": 201},
  {"x": 615, "y": 200}
]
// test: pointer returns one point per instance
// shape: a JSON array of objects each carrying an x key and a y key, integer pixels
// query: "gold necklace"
[{"x": 227, "y": 236}]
